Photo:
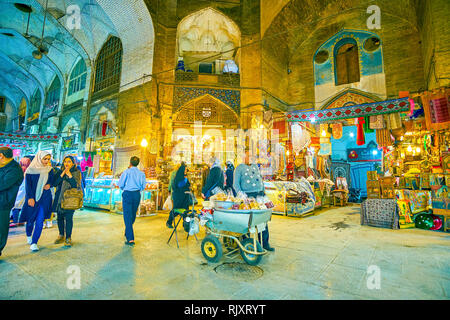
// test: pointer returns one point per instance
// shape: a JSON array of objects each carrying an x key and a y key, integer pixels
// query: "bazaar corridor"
[{"x": 324, "y": 256}]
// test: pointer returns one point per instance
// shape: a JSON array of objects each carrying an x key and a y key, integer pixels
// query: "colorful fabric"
[
  {"x": 337, "y": 130},
  {"x": 376, "y": 122},
  {"x": 380, "y": 213},
  {"x": 367, "y": 109},
  {"x": 360, "y": 138}
]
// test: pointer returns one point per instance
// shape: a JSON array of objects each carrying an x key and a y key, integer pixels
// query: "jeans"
[
  {"x": 130, "y": 204},
  {"x": 4, "y": 228},
  {"x": 35, "y": 224},
  {"x": 65, "y": 222},
  {"x": 15, "y": 215}
]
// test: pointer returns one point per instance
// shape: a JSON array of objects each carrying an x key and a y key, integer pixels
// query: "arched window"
[
  {"x": 35, "y": 105},
  {"x": 2, "y": 104},
  {"x": 346, "y": 62},
  {"x": 108, "y": 65},
  {"x": 77, "y": 78}
]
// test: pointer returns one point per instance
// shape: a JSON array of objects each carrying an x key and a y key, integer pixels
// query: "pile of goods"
[
  {"x": 240, "y": 202},
  {"x": 151, "y": 186},
  {"x": 147, "y": 206}
]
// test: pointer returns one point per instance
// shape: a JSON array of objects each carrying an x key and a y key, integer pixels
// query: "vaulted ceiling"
[{"x": 21, "y": 33}]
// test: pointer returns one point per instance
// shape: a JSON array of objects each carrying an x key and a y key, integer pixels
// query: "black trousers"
[
  {"x": 265, "y": 232},
  {"x": 4, "y": 227}
]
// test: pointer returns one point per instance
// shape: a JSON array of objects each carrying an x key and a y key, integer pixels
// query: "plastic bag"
[
  {"x": 168, "y": 204},
  {"x": 194, "y": 227}
]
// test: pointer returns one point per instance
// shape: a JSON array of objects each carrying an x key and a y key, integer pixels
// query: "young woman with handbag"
[{"x": 68, "y": 198}]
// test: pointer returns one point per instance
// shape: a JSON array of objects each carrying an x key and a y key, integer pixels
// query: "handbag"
[{"x": 72, "y": 200}]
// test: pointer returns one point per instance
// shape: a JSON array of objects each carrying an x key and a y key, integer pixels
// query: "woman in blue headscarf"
[
  {"x": 215, "y": 179},
  {"x": 38, "y": 197}
]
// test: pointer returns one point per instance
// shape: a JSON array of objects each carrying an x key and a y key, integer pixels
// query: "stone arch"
[
  {"x": 349, "y": 95},
  {"x": 207, "y": 109},
  {"x": 209, "y": 32}
]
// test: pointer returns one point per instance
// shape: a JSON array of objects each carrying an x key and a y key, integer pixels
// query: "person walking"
[
  {"x": 229, "y": 175},
  {"x": 20, "y": 199},
  {"x": 38, "y": 197},
  {"x": 67, "y": 177},
  {"x": 132, "y": 182},
  {"x": 248, "y": 179},
  {"x": 215, "y": 179},
  {"x": 181, "y": 200},
  {"x": 11, "y": 177}
]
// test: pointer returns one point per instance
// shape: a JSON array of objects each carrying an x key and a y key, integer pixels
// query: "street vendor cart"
[{"x": 238, "y": 230}]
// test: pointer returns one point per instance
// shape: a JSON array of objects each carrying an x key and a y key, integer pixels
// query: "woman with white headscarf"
[
  {"x": 38, "y": 197},
  {"x": 215, "y": 179}
]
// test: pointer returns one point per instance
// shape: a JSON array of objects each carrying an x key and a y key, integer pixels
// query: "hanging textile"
[
  {"x": 360, "y": 138},
  {"x": 383, "y": 138},
  {"x": 376, "y": 122},
  {"x": 393, "y": 121},
  {"x": 366, "y": 125},
  {"x": 300, "y": 138},
  {"x": 337, "y": 130}
]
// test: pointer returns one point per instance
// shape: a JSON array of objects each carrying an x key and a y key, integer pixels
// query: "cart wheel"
[
  {"x": 212, "y": 249},
  {"x": 251, "y": 259},
  {"x": 229, "y": 243}
]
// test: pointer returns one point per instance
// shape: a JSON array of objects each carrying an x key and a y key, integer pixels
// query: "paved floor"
[{"x": 325, "y": 256}]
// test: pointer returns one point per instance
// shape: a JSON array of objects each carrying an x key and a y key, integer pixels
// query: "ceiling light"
[
  {"x": 23, "y": 7},
  {"x": 37, "y": 54}
]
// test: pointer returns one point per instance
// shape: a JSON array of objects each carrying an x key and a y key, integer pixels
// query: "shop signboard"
[{"x": 50, "y": 110}]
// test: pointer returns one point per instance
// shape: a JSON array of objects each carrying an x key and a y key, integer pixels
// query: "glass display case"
[
  {"x": 149, "y": 198},
  {"x": 103, "y": 193},
  {"x": 97, "y": 193}
]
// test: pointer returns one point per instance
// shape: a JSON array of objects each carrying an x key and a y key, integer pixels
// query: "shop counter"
[{"x": 277, "y": 191}]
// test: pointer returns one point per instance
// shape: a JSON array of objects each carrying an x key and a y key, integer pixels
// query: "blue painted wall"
[
  {"x": 339, "y": 147},
  {"x": 369, "y": 62}
]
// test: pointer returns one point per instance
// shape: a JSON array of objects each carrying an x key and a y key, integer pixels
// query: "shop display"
[
  {"x": 279, "y": 191},
  {"x": 103, "y": 193}
]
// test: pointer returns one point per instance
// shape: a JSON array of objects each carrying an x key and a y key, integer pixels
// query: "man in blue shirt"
[{"x": 132, "y": 182}]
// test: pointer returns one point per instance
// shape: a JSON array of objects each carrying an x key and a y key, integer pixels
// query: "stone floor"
[{"x": 325, "y": 256}]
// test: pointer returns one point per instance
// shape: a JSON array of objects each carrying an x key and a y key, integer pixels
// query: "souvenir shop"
[{"x": 390, "y": 156}]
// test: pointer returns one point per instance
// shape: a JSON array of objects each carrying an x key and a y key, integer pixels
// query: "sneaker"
[
  {"x": 169, "y": 225},
  {"x": 12, "y": 225},
  {"x": 60, "y": 239},
  {"x": 130, "y": 243},
  {"x": 29, "y": 240},
  {"x": 34, "y": 247},
  {"x": 269, "y": 248},
  {"x": 49, "y": 224},
  {"x": 68, "y": 242}
]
